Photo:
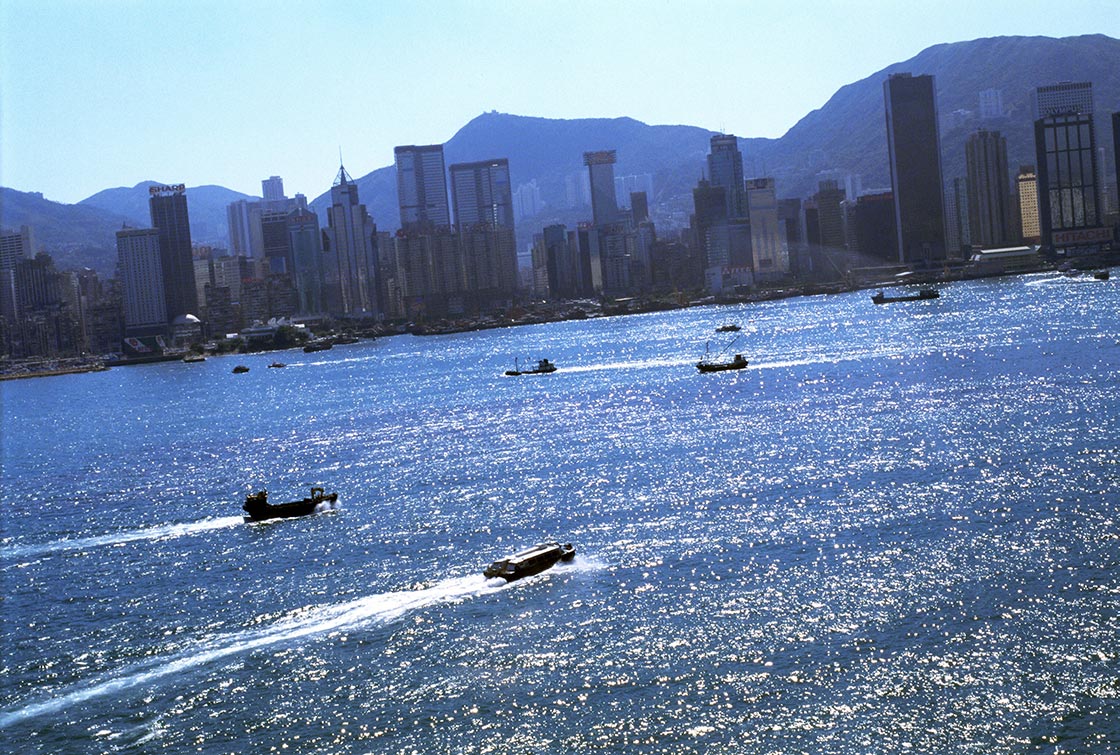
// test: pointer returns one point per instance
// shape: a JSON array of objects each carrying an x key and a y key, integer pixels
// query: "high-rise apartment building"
[
  {"x": 600, "y": 171},
  {"x": 991, "y": 104},
  {"x": 481, "y": 195},
  {"x": 915, "y": 162},
  {"x": 725, "y": 168},
  {"x": 1027, "y": 183},
  {"x": 989, "y": 193},
  {"x": 16, "y": 245},
  {"x": 168, "y": 206},
  {"x": 422, "y": 187},
  {"x": 768, "y": 247},
  {"x": 272, "y": 189},
  {"x": 141, "y": 276},
  {"x": 624, "y": 186}
]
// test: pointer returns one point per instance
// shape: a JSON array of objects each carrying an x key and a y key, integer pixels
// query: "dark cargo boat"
[
  {"x": 925, "y": 293},
  {"x": 258, "y": 508},
  {"x": 738, "y": 363},
  {"x": 531, "y": 561}
]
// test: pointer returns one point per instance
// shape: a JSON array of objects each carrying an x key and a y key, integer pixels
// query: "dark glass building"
[
  {"x": 725, "y": 169},
  {"x": 600, "y": 171},
  {"x": 1068, "y": 198},
  {"x": 168, "y": 206},
  {"x": 915, "y": 161}
]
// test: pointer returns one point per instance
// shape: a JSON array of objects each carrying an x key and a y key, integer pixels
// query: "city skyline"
[{"x": 205, "y": 85}]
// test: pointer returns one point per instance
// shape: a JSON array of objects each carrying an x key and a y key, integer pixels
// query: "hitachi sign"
[
  {"x": 174, "y": 189},
  {"x": 1082, "y": 236}
]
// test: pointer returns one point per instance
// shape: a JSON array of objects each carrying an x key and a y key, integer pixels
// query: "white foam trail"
[
  {"x": 628, "y": 365},
  {"x": 382, "y": 607},
  {"x": 160, "y": 532}
]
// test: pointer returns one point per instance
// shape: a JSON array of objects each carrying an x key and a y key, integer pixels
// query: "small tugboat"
[
  {"x": 543, "y": 367},
  {"x": 729, "y": 328},
  {"x": 531, "y": 561},
  {"x": 239, "y": 369},
  {"x": 925, "y": 293},
  {"x": 258, "y": 508}
]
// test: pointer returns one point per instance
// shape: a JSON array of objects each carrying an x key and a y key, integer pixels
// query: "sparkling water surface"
[{"x": 896, "y": 531}]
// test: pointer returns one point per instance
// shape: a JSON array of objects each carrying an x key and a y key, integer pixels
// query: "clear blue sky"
[{"x": 103, "y": 93}]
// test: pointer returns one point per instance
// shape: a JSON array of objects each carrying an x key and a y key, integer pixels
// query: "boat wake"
[
  {"x": 158, "y": 532},
  {"x": 647, "y": 363},
  {"x": 308, "y": 622}
]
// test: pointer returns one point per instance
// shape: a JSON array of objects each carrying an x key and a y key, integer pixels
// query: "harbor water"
[{"x": 896, "y": 531}]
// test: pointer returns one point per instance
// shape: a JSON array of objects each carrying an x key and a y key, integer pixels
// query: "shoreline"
[{"x": 565, "y": 311}]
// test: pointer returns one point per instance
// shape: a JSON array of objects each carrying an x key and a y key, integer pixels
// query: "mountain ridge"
[{"x": 847, "y": 134}]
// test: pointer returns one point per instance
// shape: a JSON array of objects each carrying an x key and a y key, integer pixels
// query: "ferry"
[{"x": 531, "y": 561}]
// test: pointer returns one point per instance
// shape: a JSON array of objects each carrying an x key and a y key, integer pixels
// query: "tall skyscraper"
[
  {"x": 915, "y": 162},
  {"x": 481, "y": 195},
  {"x": 600, "y": 170},
  {"x": 1027, "y": 183},
  {"x": 142, "y": 281},
  {"x": 989, "y": 193},
  {"x": 725, "y": 168},
  {"x": 422, "y": 187},
  {"x": 168, "y": 206},
  {"x": 351, "y": 269}
]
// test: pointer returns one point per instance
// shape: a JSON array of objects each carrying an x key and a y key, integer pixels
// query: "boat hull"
[{"x": 529, "y": 562}]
